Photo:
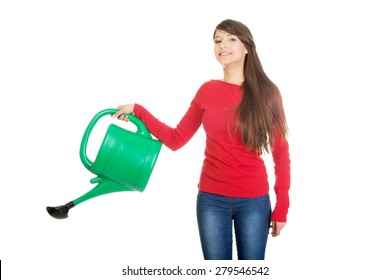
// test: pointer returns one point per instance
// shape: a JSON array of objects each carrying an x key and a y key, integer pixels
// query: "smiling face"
[{"x": 228, "y": 49}]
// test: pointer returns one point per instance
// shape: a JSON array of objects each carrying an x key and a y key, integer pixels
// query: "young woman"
[{"x": 243, "y": 117}]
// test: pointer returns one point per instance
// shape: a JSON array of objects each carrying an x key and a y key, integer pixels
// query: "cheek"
[
  {"x": 241, "y": 51},
  {"x": 216, "y": 53}
]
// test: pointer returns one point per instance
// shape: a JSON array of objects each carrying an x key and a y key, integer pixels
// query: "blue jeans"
[{"x": 251, "y": 218}]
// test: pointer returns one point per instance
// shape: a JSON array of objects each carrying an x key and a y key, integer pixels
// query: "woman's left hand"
[{"x": 276, "y": 228}]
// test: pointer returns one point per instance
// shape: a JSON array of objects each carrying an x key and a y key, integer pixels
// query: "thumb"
[{"x": 120, "y": 112}]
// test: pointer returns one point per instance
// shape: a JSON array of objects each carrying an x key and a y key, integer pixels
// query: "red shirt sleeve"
[
  {"x": 173, "y": 138},
  {"x": 281, "y": 158}
]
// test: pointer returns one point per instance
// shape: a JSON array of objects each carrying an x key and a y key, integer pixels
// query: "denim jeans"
[{"x": 251, "y": 219}]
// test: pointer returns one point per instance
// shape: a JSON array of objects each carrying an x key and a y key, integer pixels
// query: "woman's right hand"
[{"x": 122, "y": 111}]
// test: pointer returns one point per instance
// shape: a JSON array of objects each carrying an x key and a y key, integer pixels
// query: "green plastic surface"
[{"x": 125, "y": 160}]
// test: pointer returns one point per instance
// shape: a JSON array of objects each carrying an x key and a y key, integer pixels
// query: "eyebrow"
[{"x": 226, "y": 35}]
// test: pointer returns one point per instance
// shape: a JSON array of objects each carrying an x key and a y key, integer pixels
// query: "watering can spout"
[
  {"x": 103, "y": 187},
  {"x": 60, "y": 212}
]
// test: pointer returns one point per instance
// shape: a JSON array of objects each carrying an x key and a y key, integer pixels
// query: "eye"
[
  {"x": 232, "y": 39},
  {"x": 217, "y": 41}
]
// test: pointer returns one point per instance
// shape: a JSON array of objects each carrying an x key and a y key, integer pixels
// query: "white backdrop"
[{"x": 63, "y": 61}]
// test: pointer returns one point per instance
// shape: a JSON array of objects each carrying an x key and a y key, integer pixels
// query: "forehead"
[{"x": 221, "y": 33}]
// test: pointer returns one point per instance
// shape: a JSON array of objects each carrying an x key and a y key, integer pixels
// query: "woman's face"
[{"x": 228, "y": 49}]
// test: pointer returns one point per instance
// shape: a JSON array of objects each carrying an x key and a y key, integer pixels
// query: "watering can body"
[
  {"x": 124, "y": 162},
  {"x": 125, "y": 157}
]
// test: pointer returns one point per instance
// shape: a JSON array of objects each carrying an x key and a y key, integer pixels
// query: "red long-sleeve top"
[{"x": 229, "y": 168}]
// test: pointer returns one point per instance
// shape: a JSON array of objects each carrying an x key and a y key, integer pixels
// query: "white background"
[{"x": 63, "y": 61}]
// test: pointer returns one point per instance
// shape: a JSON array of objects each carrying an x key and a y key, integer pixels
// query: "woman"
[{"x": 243, "y": 117}]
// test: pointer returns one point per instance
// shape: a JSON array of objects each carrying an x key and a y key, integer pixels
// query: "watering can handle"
[{"x": 141, "y": 129}]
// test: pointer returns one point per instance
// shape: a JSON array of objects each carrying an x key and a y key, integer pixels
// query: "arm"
[
  {"x": 173, "y": 138},
  {"x": 281, "y": 158}
]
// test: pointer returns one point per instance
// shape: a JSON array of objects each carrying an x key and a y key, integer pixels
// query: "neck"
[{"x": 233, "y": 75}]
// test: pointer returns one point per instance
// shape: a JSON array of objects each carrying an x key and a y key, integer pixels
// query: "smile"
[{"x": 224, "y": 53}]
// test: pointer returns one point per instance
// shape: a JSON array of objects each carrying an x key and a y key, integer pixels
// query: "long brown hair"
[{"x": 260, "y": 111}]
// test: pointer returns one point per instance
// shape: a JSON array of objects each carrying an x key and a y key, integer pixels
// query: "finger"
[
  {"x": 275, "y": 229},
  {"x": 123, "y": 117},
  {"x": 119, "y": 112},
  {"x": 273, "y": 226},
  {"x": 116, "y": 115}
]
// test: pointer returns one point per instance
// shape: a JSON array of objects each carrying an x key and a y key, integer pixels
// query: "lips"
[{"x": 224, "y": 53}]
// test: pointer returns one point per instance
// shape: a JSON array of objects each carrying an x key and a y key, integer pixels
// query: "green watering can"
[{"x": 124, "y": 161}]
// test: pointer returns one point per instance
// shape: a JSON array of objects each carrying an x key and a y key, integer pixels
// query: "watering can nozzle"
[{"x": 60, "y": 212}]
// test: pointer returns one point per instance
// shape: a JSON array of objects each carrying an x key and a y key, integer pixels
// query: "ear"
[{"x": 246, "y": 51}]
